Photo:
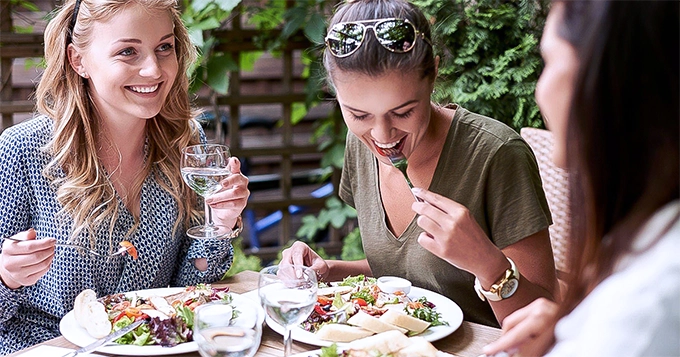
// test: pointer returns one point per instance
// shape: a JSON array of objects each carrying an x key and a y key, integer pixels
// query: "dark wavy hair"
[
  {"x": 622, "y": 134},
  {"x": 371, "y": 58}
]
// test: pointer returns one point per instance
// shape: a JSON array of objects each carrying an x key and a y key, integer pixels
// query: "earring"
[{"x": 84, "y": 75}]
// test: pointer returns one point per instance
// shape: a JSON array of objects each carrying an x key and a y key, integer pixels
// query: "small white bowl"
[{"x": 391, "y": 284}]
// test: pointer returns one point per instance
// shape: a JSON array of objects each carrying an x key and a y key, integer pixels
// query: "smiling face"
[
  {"x": 388, "y": 113},
  {"x": 130, "y": 63},
  {"x": 555, "y": 87}
]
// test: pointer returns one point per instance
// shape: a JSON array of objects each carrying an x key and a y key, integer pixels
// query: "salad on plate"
[
  {"x": 356, "y": 308},
  {"x": 169, "y": 319}
]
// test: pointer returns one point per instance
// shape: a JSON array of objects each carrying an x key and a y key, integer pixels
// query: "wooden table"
[{"x": 467, "y": 340}]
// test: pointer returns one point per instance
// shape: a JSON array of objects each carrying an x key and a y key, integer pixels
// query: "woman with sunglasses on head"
[
  {"x": 101, "y": 164},
  {"x": 478, "y": 230},
  {"x": 610, "y": 92}
]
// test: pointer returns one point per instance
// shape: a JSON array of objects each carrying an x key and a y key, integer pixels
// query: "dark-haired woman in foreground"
[{"x": 610, "y": 92}]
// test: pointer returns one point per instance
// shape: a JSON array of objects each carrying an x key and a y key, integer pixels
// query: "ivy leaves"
[{"x": 335, "y": 213}]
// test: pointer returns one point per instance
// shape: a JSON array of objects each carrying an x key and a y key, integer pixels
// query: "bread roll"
[
  {"x": 385, "y": 342},
  {"x": 79, "y": 305},
  {"x": 97, "y": 323},
  {"x": 372, "y": 323},
  {"x": 341, "y": 333},
  {"x": 402, "y": 319}
]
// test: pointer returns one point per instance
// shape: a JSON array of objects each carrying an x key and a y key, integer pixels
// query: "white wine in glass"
[
  {"x": 288, "y": 295},
  {"x": 203, "y": 168}
]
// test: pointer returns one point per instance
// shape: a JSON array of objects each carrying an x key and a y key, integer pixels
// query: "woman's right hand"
[
  {"x": 23, "y": 263},
  {"x": 301, "y": 254},
  {"x": 528, "y": 331}
]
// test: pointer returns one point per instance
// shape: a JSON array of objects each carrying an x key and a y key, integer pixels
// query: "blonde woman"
[{"x": 101, "y": 165}]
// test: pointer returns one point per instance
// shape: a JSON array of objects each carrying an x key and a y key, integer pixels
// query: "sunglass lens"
[
  {"x": 396, "y": 35},
  {"x": 344, "y": 39}
]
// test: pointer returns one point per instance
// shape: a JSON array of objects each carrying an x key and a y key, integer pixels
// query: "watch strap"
[{"x": 494, "y": 294}]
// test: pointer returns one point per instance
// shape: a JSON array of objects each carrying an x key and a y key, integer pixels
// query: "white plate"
[
  {"x": 77, "y": 335},
  {"x": 315, "y": 353},
  {"x": 450, "y": 311}
]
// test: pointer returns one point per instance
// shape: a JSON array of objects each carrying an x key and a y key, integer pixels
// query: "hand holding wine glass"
[
  {"x": 288, "y": 294},
  {"x": 203, "y": 168}
]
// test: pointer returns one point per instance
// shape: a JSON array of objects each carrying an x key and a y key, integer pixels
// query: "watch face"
[{"x": 509, "y": 288}]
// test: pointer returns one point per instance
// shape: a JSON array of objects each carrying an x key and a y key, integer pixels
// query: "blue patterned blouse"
[{"x": 31, "y": 314}]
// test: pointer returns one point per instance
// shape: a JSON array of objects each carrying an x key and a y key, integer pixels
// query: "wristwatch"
[{"x": 502, "y": 289}]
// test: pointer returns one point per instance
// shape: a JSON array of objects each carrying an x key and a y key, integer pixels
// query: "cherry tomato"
[
  {"x": 319, "y": 310},
  {"x": 324, "y": 300},
  {"x": 133, "y": 312},
  {"x": 359, "y": 301},
  {"x": 142, "y": 317},
  {"x": 121, "y": 306},
  {"x": 120, "y": 316},
  {"x": 130, "y": 248}
]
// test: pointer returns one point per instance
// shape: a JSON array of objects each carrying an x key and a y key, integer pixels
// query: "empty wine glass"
[
  {"x": 223, "y": 330},
  {"x": 203, "y": 168},
  {"x": 288, "y": 294}
]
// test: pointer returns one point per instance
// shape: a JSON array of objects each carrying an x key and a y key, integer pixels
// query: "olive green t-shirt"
[{"x": 485, "y": 166}]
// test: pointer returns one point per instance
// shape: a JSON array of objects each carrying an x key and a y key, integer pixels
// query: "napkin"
[{"x": 43, "y": 350}]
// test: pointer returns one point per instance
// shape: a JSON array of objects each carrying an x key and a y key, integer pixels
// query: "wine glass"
[
  {"x": 223, "y": 330},
  {"x": 288, "y": 294},
  {"x": 203, "y": 168}
]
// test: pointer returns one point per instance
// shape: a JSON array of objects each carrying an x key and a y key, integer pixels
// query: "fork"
[
  {"x": 120, "y": 251},
  {"x": 399, "y": 161}
]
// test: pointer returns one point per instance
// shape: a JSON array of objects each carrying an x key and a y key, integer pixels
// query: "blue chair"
[{"x": 255, "y": 226}]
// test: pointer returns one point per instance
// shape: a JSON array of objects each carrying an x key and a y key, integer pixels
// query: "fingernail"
[{"x": 416, "y": 190}]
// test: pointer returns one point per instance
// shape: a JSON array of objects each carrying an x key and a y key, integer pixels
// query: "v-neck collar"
[{"x": 412, "y": 227}]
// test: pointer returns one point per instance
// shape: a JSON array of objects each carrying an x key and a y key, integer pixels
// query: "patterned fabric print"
[{"x": 31, "y": 314}]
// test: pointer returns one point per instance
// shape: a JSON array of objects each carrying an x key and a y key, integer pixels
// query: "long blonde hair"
[{"x": 83, "y": 189}]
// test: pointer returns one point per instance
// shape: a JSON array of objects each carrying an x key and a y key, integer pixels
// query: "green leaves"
[
  {"x": 352, "y": 248},
  {"x": 201, "y": 17},
  {"x": 315, "y": 29},
  {"x": 336, "y": 214},
  {"x": 218, "y": 67},
  {"x": 294, "y": 19},
  {"x": 242, "y": 261},
  {"x": 225, "y": 5},
  {"x": 489, "y": 56},
  {"x": 308, "y": 16}
]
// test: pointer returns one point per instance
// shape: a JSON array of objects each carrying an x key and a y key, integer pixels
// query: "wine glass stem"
[
  {"x": 287, "y": 343},
  {"x": 209, "y": 225}
]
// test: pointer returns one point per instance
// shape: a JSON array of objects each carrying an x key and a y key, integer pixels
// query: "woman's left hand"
[
  {"x": 228, "y": 204},
  {"x": 451, "y": 233},
  {"x": 528, "y": 331}
]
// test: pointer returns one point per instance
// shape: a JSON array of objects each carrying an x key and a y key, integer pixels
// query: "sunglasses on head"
[{"x": 396, "y": 35}]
